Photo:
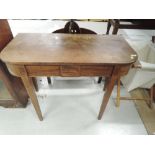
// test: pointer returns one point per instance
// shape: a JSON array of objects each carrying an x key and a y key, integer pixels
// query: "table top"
[{"x": 44, "y": 48}]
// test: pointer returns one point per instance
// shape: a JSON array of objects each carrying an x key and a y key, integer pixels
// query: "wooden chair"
[
  {"x": 149, "y": 100},
  {"x": 13, "y": 84},
  {"x": 73, "y": 28},
  {"x": 117, "y": 24}
]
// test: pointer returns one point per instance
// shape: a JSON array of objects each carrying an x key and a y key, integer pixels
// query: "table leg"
[
  {"x": 115, "y": 29},
  {"x": 108, "y": 91},
  {"x": 105, "y": 83},
  {"x": 35, "y": 83},
  {"x": 49, "y": 80},
  {"x": 99, "y": 79},
  {"x": 28, "y": 83},
  {"x": 108, "y": 26}
]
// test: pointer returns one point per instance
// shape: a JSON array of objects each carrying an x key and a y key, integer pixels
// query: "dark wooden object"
[
  {"x": 13, "y": 84},
  {"x": 72, "y": 27},
  {"x": 132, "y": 24},
  {"x": 68, "y": 55}
]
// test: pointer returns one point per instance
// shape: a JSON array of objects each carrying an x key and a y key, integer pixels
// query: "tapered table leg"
[
  {"x": 35, "y": 83},
  {"x": 108, "y": 91},
  {"x": 30, "y": 89},
  {"x": 105, "y": 83},
  {"x": 49, "y": 80},
  {"x": 99, "y": 80},
  {"x": 108, "y": 26}
]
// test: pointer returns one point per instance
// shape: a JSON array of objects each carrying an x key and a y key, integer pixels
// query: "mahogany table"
[{"x": 35, "y": 54}]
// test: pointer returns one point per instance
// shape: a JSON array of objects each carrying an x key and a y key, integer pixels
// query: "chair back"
[{"x": 73, "y": 28}]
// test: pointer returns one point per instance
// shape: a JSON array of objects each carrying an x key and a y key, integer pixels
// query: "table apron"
[
  {"x": 69, "y": 70},
  {"x": 66, "y": 70}
]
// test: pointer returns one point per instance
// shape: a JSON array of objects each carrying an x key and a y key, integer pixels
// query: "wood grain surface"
[{"x": 67, "y": 48}]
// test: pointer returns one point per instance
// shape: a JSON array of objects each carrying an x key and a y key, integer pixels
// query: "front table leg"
[
  {"x": 108, "y": 91},
  {"x": 28, "y": 83}
]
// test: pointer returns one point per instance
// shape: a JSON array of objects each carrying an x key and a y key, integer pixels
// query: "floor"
[{"x": 71, "y": 106}]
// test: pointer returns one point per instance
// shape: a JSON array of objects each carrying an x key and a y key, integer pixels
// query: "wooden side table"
[{"x": 32, "y": 55}]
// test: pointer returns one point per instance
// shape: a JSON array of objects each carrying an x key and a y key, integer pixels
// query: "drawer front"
[
  {"x": 68, "y": 70},
  {"x": 43, "y": 70},
  {"x": 96, "y": 70}
]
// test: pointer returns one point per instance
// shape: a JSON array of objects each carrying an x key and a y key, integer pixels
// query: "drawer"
[
  {"x": 43, "y": 70},
  {"x": 68, "y": 70},
  {"x": 96, "y": 70}
]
